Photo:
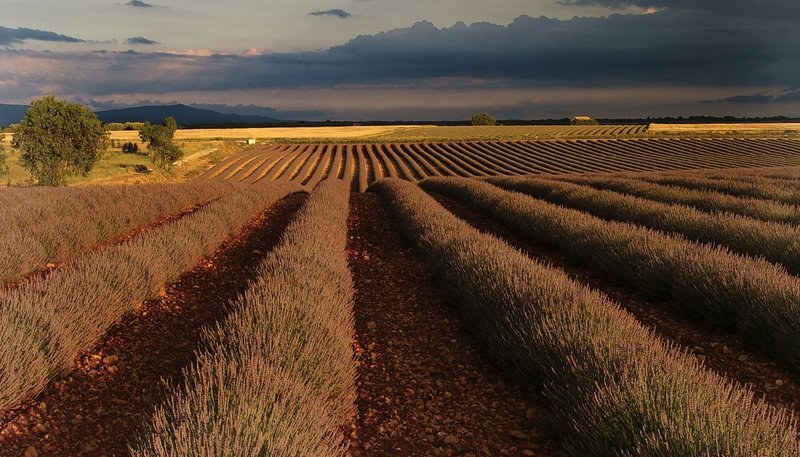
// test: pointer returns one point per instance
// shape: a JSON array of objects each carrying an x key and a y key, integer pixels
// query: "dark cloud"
[
  {"x": 19, "y": 35},
  {"x": 139, "y": 4},
  {"x": 340, "y": 13},
  {"x": 744, "y": 9},
  {"x": 675, "y": 47},
  {"x": 789, "y": 96},
  {"x": 140, "y": 40}
]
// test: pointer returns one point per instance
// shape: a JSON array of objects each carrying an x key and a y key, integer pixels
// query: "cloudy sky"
[{"x": 410, "y": 59}]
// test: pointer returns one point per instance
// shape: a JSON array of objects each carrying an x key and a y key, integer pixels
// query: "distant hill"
[
  {"x": 11, "y": 114},
  {"x": 185, "y": 115}
]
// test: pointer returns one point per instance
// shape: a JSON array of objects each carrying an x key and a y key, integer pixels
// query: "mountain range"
[{"x": 185, "y": 115}]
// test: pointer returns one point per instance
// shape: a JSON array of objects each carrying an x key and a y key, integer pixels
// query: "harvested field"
[
  {"x": 363, "y": 164},
  {"x": 762, "y": 128},
  {"x": 273, "y": 133}
]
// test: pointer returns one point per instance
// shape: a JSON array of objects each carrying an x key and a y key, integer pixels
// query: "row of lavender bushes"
[
  {"x": 46, "y": 322},
  {"x": 43, "y": 225},
  {"x": 777, "y": 242},
  {"x": 749, "y": 295},
  {"x": 276, "y": 378},
  {"x": 617, "y": 389}
]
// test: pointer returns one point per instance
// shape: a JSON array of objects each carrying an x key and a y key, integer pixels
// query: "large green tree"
[
  {"x": 160, "y": 142},
  {"x": 58, "y": 139}
]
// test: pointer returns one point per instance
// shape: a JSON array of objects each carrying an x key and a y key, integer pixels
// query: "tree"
[
  {"x": 58, "y": 139},
  {"x": 160, "y": 143},
  {"x": 483, "y": 119}
]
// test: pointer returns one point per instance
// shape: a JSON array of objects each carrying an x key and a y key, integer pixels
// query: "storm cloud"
[
  {"x": 19, "y": 35},
  {"x": 139, "y": 4},
  {"x": 681, "y": 44}
]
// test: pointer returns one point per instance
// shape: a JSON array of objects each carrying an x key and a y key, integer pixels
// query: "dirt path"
[
  {"x": 98, "y": 408},
  {"x": 423, "y": 389},
  {"x": 723, "y": 352}
]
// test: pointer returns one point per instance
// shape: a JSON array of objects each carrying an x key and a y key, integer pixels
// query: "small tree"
[
  {"x": 483, "y": 119},
  {"x": 58, "y": 139},
  {"x": 160, "y": 142}
]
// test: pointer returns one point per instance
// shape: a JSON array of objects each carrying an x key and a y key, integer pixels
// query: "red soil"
[
  {"x": 423, "y": 390},
  {"x": 724, "y": 352},
  {"x": 99, "y": 407}
]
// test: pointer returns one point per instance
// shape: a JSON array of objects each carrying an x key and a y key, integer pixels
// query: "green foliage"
[
  {"x": 3, "y": 165},
  {"x": 130, "y": 148},
  {"x": 160, "y": 142},
  {"x": 120, "y": 126},
  {"x": 483, "y": 119},
  {"x": 58, "y": 139}
]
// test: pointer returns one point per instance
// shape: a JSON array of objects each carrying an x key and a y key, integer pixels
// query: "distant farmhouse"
[{"x": 583, "y": 120}]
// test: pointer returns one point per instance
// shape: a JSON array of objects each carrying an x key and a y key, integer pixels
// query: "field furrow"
[
  {"x": 424, "y": 387},
  {"x": 414, "y": 161}
]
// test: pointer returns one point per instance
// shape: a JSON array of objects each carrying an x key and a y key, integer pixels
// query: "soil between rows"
[
  {"x": 724, "y": 352},
  {"x": 113, "y": 389},
  {"x": 423, "y": 390}
]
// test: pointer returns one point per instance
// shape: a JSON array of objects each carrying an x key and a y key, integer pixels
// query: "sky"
[{"x": 410, "y": 59}]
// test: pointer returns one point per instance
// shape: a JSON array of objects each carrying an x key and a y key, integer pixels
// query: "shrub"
[
  {"x": 483, "y": 119},
  {"x": 130, "y": 148},
  {"x": 617, "y": 389},
  {"x": 278, "y": 375}
]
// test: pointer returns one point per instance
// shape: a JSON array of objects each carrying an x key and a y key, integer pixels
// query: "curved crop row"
[
  {"x": 277, "y": 377},
  {"x": 774, "y": 241},
  {"x": 40, "y": 226},
  {"x": 756, "y": 297},
  {"x": 363, "y": 164},
  {"x": 45, "y": 323},
  {"x": 617, "y": 388},
  {"x": 705, "y": 200},
  {"x": 773, "y": 191}
]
